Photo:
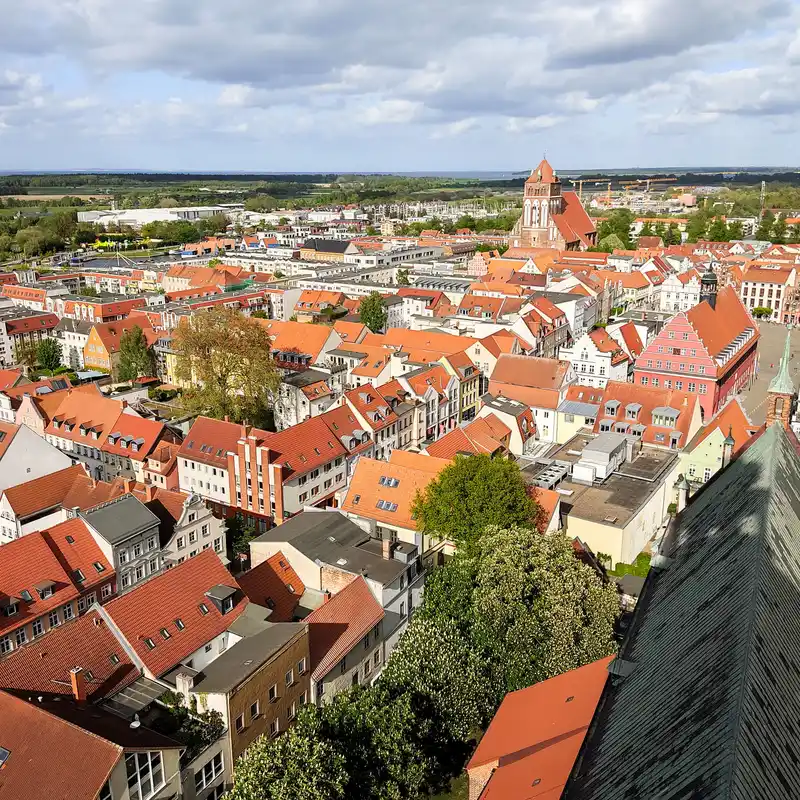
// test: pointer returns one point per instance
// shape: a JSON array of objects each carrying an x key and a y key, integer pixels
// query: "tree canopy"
[
  {"x": 471, "y": 494},
  {"x": 48, "y": 354},
  {"x": 372, "y": 312},
  {"x": 224, "y": 357},
  {"x": 136, "y": 358}
]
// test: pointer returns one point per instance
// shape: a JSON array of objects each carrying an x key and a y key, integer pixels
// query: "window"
[
  {"x": 22, "y": 637},
  {"x": 209, "y": 647},
  {"x": 123, "y": 556},
  {"x": 402, "y": 609},
  {"x": 145, "y": 774},
  {"x": 707, "y": 474},
  {"x": 137, "y": 550},
  {"x": 240, "y": 723},
  {"x": 192, "y": 537},
  {"x": 210, "y": 771},
  {"x": 289, "y": 677},
  {"x": 53, "y": 619},
  {"x": 301, "y": 666},
  {"x": 702, "y": 388},
  {"x": 692, "y": 387},
  {"x": 37, "y": 627},
  {"x": 105, "y": 792},
  {"x": 151, "y": 543},
  {"x": 79, "y": 576},
  {"x": 11, "y": 609},
  {"x": 376, "y": 659},
  {"x": 165, "y": 634},
  {"x": 180, "y": 543},
  {"x": 203, "y": 609},
  {"x": 254, "y": 712},
  {"x": 5, "y": 645},
  {"x": 273, "y": 692},
  {"x": 292, "y": 712},
  {"x": 150, "y": 643},
  {"x": 126, "y": 580},
  {"x": 205, "y": 530},
  {"x": 303, "y": 698},
  {"x": 68, "y": 613}
]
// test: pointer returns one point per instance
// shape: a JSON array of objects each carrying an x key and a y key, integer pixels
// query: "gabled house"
[{"x": 596, "y": 359}]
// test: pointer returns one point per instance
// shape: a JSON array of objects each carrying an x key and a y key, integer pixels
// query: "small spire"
[
  {"x": 729, "y": 440},
  {"x": 782, "y": 382}
]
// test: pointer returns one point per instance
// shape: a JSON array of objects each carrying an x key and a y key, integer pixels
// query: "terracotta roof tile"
[
  {"x": 529, "y": 371},
  {"x": 536, "y": 734},
  {"x": 730, "y": 419},
  {"x": 632, "y": 339},
  {"x": 340, "y": 624},
  {"x": 8, "y": 430},
  {"x": 717, "y": 327},
  {"x": 605, "y": 344},
  {"x": 43, "y": 493},
  {"x": 25, "y": 563},
  {"x": 9, "y": 378},
  {"x": 209, "y": 441},
  {"x": 87, "y": 642},
  {"x": 77, "y": 550},
  {"x": 142, "y": 613},
  {"x": 43, "y": 763},
  {"x": 275, "y": 585}
]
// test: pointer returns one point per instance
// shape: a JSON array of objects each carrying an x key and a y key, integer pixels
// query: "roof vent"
[
  {"x": 341, "y": 562},
  {"x": 621, "y": 668}
]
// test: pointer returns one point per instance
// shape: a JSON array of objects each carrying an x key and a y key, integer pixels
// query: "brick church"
[{"x": 550, "y": 217}]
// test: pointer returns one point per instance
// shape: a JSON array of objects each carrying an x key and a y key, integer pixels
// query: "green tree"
[
  {"x": 610, "y": 243},
  {"x": 224, "y": 357},
  {"x": 735, "y": 231},
  {"x": 300, "y": 765},
  {"x": 673, "y": 235},
  {"x": 372, "y": 312},
  {"x": 618, "y": 222},
  {"x": 26, "y": 354},
  {"x": 718, "y": 230},
  {"x": 259, "y": 315},
  {"x": 794, "y": 235},
  {"x": 89, "y": 291},
  {"x": 470, "y": 495},
  {"x": 538, "y": 611},
  {"x": 764, "y": 230},
  {"x": 402, "y": 277},
  {"x": 647, "y": 229},
  {"x": 779, "y": 229},
  {"x": 136, "y": 358},
  {"x": 261, "y": 203},
  {"x": 697, "y": 227},
  {"x": 372, "y": 230},
  {"x": 48, "y": 354}
]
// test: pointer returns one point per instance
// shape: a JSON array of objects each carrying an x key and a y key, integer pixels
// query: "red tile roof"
[
  {"x": 483, "y": 435},
  {"x": 632, "y": 339},
  {"x": 25, "y": 563},
  {"x": 209, "y": 441},
  {"x": 76, "y": 549},
  {"x": 337, "y": 626},
  {"x": 529, "y": 371},
  {"x": 605, "y": 344},
  {"x": 176, "y": 594},
  {"x": 717, "y": 327},
  {"x": 87, "y": 642},
  {"x": 43, "y": 493},
  {"x": 7, "y": 433},
  {"x": 9, "y": 378},
  {"x": 373, "y": 406},
  {"x": 731, "y": 419},
  {"x": 110, "y": 333},
  {"x": 40, "y": 322},
  {"x": 536, "y": 734},
  {"x": 143, "y": 433},
  {"x": 573, "y": 223},
  {"x": 275, "y": 585},
  {"x": 50, "y": 758},
  {"x": 304, "y": 447},
  {"x": 78, "y": 407}
]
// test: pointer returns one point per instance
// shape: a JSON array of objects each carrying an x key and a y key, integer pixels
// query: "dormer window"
[
  {"x": 227, "y": 605},
  {"x": 611, "y": 408},
  {"x": 11, "y": 608},
  {"x": 203, "y": 609}
]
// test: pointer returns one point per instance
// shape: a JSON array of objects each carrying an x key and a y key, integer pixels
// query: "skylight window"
[
  {"x": 79, "y": 576},
  {"x": 179, "y": 624},
  {"x": 150, "y": 643},
  {"x": 98, "y": 566},
  {"x": 203, "y": 609}
]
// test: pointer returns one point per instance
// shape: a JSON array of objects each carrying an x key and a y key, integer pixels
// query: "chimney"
[
  {"x": 124, "y": 404},
  {"x": 326, "y": 595},
  {"x": 150, "y": 492},
  {"x": 227, "y": 418},
  {"x": 78, "y": 680},
  {"x": 682, "y": 492},
  {"x": 128, "y": 484},
  {"x": 386, "y": 547},
  {"x": 184, "y": 684}
]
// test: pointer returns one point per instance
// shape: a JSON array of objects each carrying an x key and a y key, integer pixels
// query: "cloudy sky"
[{"x": 339, "y": 85}]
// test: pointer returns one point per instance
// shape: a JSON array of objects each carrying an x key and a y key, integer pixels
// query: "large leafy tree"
[
  {"x": 537, "y": 610},
  {"x": 224, "y": 357},
  {"x": 48, "y": 354},
  {"x": 372, "y": 312},
  {"x": 136, "y": 359},
  {"x": 764, "y": 230},
  {"x": 470, "y": 495},
  {"x": 26, "y": 354}
]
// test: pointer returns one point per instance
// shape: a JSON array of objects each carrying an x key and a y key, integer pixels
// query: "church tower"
[
  {"x": 780, "y": 395},
  {"x": 708, "y": 287},
  {"x": 541, "y": 201}
]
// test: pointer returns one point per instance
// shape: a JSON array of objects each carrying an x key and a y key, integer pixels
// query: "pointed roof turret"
[
  {"x": 782, "y": 382},
  {"x": 544, "y": 173},
  {"x": 729, "y": 440}
]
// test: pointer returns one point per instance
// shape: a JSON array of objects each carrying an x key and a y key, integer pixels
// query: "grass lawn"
[
  {"x": 459, "y": 790},
  {"x": 640, "y": 567}
]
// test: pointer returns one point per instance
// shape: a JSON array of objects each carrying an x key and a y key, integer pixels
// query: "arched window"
[
  {"x": 779, "y": 406},
  {"x": 535, "y": 218}
]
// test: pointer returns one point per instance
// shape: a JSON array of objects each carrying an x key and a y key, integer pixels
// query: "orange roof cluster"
[
  {"x": 493, "y": 308},
  {"x": 275, "y": 585},
  {"x": 605, "y": 344},
  {"x": 537, "y": 382},
  {"x": 372, "y": 406},
  {"x": 633, "y": 342},
  {"x": 337, "y": 626},
  {"x": 39, "y": 322},
  {"x": 316, "y": 301},
  {"x": 297, "y": 337}
]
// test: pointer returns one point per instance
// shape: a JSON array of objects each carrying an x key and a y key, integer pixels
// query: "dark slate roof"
[
  {"x": 122, "y": 518},
  {"x": 327, "y": 245},
  {"x": 711, "y": 706}
]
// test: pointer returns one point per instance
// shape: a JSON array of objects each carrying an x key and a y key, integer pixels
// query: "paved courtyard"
[{"x": 770, "y": 349}]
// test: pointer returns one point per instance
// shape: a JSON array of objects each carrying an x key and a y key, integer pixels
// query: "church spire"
[{"x": 782, "y": 382}]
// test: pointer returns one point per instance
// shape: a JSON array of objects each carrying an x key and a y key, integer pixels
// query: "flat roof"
[{"x": 239, "y": 662}]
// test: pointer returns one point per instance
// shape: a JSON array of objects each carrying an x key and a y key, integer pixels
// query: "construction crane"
[
  {"x": 647, "y": 182},
  {"x": 579, "y": 184}
]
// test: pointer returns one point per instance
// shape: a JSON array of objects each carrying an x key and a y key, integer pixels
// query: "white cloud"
[
  {"x": 386, "y": 112},
  {"x": 523, "y": 125}
]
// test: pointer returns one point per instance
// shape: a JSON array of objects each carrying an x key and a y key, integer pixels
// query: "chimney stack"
[
  {"x": 150, "y": 492},
  {"x": 128, "y": 485},
  {"x": 184, "y": 684},
  {"x": 386, "y": 547},
  {"x": 682, "y": 490},
  {"x": 78, "y": 680}
]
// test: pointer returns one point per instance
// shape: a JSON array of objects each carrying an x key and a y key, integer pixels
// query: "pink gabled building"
[{"x": 710, "y": 350}]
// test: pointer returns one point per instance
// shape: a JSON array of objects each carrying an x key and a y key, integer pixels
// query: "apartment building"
[
  {"x": 772, "y": 289},
  {"x": 681, "y": 291},
  {"x": 104, "y": 308},
  {"x": 19, "y": 327},
  {"x": 596, "y": 359}
]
